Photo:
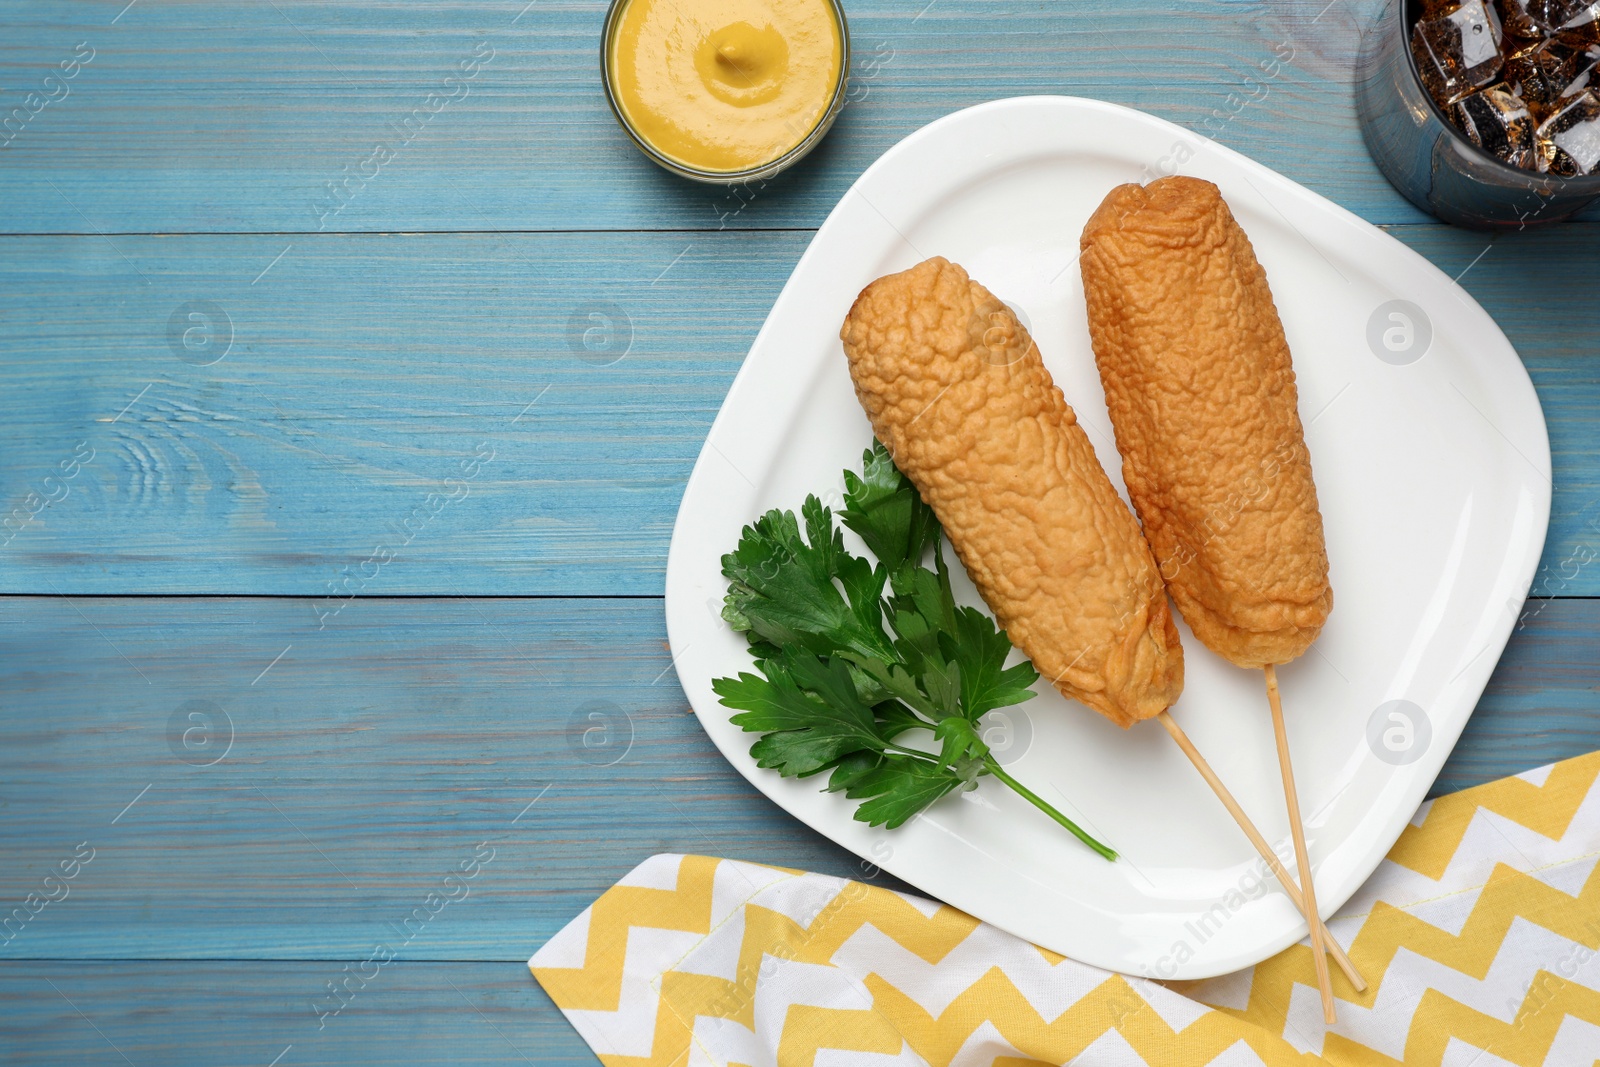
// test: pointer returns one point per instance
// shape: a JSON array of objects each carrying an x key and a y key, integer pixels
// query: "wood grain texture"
[
  {"x": 365, "y": 370},
  {"x": 233, "y": 116},
  {"x": 368, "y": 761},
  {"x": 177, "y": 1014},
  {"x": 371, "y": 759},
  {"x": 1540, "y": 705}
]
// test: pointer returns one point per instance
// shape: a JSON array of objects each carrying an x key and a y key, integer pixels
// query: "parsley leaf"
[
  {"x": 783, "y": 588},
  {"x": 885, "y": 510},
  {"x": 898, "y": 787},
  {"x": 961, "y": 743},
  {"x": 981, "y": 650},
  {"x": 807, "y": 710},
  {"x": 836, "y": 690}
]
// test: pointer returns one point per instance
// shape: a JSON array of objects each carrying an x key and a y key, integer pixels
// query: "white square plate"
[{"x": 1433, "y": 469}]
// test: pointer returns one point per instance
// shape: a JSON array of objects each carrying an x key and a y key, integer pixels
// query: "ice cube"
[
  {"x": 1565, "y": 13},
  {"x": 1568, "y": 142},
  {"x": 1523, "y": 18},
  {"x": 1533, "y": 19},
  {"x": 1497, "y": 121},
  {"x": 1581, "y": 32},
  {"x": 1539, "y": 74},
  {"x": 1458, "y": 53},
  {"x": 1587, "y": 65}
]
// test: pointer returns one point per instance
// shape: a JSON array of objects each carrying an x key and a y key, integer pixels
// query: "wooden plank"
[
  {"x": 372, "y": 759},
  {"x": 365, "y": 370},
  {"x": 234, "y": 116},
  {"x": 368, "y": 761},
  {"x": 179, "y": 1014},
  {"x": 1540, "y": 704}
]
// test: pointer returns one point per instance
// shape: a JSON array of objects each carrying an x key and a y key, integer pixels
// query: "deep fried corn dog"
[
  {"x": 957, "y": 392},
  {"x": 1202, "y": 396}
]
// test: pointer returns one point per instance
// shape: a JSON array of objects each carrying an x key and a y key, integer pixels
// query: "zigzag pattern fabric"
[{"x": 1478, "y": 935}]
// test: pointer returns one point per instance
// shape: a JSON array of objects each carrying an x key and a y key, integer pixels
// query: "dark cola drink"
[{"x": 1516, "y": 76}]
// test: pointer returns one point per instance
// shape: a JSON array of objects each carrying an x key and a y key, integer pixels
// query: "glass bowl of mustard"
[{"x": 725, "y": 91}]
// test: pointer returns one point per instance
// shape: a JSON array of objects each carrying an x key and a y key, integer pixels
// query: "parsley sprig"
[{"x": 851, "y": 657}]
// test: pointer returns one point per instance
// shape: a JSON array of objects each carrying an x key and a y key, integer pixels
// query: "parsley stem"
[{"x": 1033, "y": 798}]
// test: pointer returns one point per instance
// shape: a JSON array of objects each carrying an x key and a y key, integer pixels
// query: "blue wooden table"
[{"x": 328, "y": 533}]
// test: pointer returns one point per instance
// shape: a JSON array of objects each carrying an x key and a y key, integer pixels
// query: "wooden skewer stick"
[
  {"x": 1261, "y": 846},
  {"x": 1302, "y": 858}
]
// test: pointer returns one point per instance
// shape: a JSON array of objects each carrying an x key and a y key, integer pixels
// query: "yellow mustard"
[{"x": 725, "y": 85}]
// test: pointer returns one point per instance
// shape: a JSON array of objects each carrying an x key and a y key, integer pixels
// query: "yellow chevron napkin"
[{"x": 1478, "y": 934}]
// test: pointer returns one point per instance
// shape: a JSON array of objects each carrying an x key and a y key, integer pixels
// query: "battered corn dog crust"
[
  {"x": 1202, "y": 395},
  {"x": 955, "y": 389}
]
